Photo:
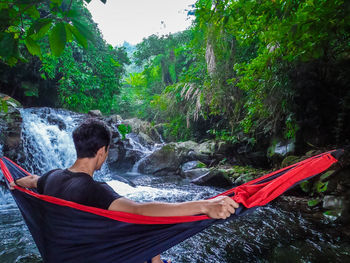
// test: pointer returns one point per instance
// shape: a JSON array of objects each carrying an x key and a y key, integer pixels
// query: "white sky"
[{"x": 132, "y": 20}]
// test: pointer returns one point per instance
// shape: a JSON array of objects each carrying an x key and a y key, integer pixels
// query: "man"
[{"x": 92, "y": 139}]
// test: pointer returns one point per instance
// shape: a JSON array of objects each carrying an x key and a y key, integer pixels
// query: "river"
[{"x": 269, "y": 234}]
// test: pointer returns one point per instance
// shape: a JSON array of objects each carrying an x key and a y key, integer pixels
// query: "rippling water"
[{"x": 269, "y": 234}]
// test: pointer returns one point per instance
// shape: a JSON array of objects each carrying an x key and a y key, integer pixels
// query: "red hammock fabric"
[
  {"x": 69, "y": 232},
  {"x": 257, "y": 192}
]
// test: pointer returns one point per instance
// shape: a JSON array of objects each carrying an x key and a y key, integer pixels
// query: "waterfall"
[
  {"x": 144, "y": 150},
  {"x": 47, "y": 140}
]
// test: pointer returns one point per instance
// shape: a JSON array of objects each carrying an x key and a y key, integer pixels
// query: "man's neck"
[{"x": 84, "y": 165}]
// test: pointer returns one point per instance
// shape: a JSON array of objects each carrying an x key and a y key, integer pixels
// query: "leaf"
[
  {"x": 115, "y": 63},
  {"x": 33, "y": 12},
  {"x": 83, "y": 30},
  {"x": 69, "y": 34},
  {"x": 321, "y": 186},
  {"x": 58, "y": 39},
  {"x": 327, "y": 174},
  {"x": 39, "y": 29},
  {"x": 313, "y": 202},
  {"x": 33, "y": 47},
  {"x": 79, "y": 37}
]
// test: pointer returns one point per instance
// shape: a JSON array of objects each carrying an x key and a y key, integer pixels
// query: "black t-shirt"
[{"x": 76, "y": 187}]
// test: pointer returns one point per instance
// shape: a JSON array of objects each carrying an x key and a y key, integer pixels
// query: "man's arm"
[
  {"x": 30, "y": 181},
  {"x": 220, "y": 207}
]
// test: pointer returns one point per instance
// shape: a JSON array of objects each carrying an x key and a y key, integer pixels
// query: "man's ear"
[{"x": 101, "y": 150}]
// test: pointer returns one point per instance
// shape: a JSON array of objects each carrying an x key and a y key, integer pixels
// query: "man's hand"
[{"x": 220, "y": 207}]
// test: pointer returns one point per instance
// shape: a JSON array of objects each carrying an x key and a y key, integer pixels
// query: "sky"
[{"x": 133, "y": 20}]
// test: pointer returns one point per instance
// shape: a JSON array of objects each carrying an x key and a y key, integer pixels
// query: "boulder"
[
  {"x": 213, "y": 178},
  {"x": 279, "y": 149},
  {"x": 196, "y": 173},
  {"x": 145, "y": 139},
  {"x": 145, "y": 127},
  {"x": 191, "y": 165},
  {"x": 113, "y": 119},
  {"x": 11, "y": 128},
  {"x": 95, "y": 113},
  {"x": 168, "y": 159}
]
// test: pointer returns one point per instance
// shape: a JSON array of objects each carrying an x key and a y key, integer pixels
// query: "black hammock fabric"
[{"x": 65, "y": 231}]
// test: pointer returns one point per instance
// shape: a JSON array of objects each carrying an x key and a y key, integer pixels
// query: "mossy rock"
[
  {"x": 289, "y": 160},
  {"x": 201, "y": 165},
  {"x": 11, "y": 102}
]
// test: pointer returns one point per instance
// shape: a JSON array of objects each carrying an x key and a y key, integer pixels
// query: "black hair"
[{"x": 90, "y": 136}]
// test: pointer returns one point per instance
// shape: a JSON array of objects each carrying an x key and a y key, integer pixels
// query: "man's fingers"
[
  {"x": 231, "y": 209},
  {"x": 230, "y": 201}
]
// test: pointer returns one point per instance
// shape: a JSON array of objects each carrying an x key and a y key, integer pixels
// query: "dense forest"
[{"x": 246, "y": 72}]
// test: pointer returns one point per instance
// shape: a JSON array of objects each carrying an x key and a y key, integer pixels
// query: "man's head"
[{"x": 89, "y": 137}]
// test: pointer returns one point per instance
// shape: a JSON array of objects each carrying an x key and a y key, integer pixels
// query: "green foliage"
[
  {"x": 124, "y": 130},
  {"x": 3, "y": 106},
  {"x": 25, "y": 23},
  {"x": 305, "y": 186},
  {"x": 320, "y": 186},
  {"x": 58, "y": 39},
  {"x": 313, "y": 202}
]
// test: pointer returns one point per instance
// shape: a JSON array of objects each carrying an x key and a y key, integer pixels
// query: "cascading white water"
[
  {"x": 144, "y": 150},
  {"x": 46, "y": 144},
  {"x": 47, "y": 140}
]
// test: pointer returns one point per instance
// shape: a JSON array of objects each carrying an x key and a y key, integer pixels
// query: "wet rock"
[
  {"x": 191, "y": 165},
  {"x": 11, "y": 128},
  {"x": 122, "y": 156},
  {"x": 333, "y": 202},
  {"x": 113, "y": 119},
  {"x": 246, "y": 156},
  {"x": 145, "y": 127},
  {"x": 145, "y": 139},
  {"x": 213, "y": 178},
  {"x": 195, "y": 173},
  {"x": 204, "y": 158},
  {"x": 207, "y": 148},
  {"x": 289, "y": 160},
  {"x": 54, "y": 120},
  {"x": 95, "y": 113},
  {"x": 168, "y": 159},
  {"x": 279, "y": 149},
  {"x": 244, "y": 178}
]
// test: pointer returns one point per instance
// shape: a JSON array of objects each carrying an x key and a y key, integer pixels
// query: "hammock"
[{"x": 65, "y": 231}]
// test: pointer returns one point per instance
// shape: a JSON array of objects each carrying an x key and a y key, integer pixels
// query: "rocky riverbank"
[{"x": 212, "y": 163}]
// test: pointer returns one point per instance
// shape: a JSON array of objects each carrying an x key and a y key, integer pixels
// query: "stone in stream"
[
  {"x": 196, "y": 173},
  {"x": 213, "y": 178},
  {"x": 191, "y": 165}
]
